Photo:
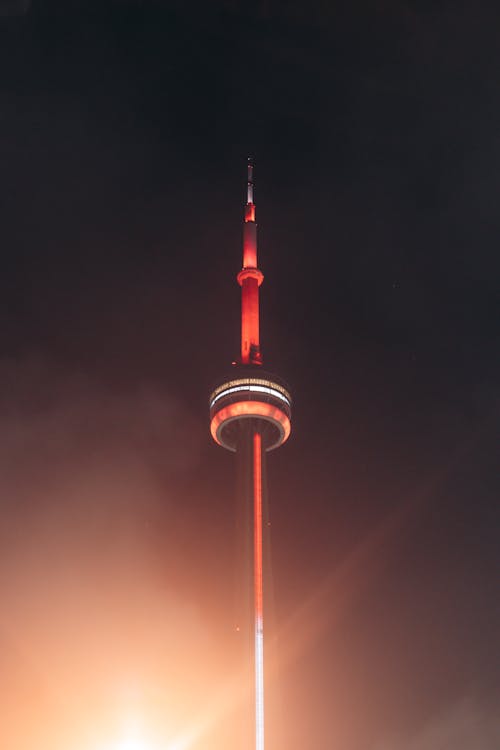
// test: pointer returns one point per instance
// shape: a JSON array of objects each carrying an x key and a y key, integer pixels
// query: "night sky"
[{"x": 124, "y": 132}]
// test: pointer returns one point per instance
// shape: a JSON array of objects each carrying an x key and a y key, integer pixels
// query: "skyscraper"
[{"x": 250, "y": 414}]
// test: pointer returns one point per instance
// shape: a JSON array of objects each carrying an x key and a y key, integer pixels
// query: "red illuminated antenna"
[{"x": 250, "y": 278}]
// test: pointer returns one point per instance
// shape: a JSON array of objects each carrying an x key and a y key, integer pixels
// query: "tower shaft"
[
  {"x": 250, "y": 579},
  {"x": 258, "y": 591}
]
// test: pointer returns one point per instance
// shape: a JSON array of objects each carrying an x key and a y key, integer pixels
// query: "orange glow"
[{"x": 251, "y": 409}]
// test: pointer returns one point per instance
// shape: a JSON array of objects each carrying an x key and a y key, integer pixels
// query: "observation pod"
[{"x": 251, "y": 393}]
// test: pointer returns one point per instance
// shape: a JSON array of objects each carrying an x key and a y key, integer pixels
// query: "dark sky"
[{"x": 124, "y": 132}]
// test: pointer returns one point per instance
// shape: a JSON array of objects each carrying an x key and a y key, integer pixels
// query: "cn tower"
[{"x": 250, "y": 413}]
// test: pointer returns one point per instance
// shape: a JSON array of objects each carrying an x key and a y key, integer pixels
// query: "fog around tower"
[
  {"x": 97, "y": 619},
  {"x": 124, "y": 132}
]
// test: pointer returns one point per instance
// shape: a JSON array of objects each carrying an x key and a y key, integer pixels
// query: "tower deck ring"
[
  {"x": 256, "y": 395},
  {"x": 249, "y": 273},
  {"x": 261, "y": 412}
]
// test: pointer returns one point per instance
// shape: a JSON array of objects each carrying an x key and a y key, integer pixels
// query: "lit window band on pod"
[{"x": 254, "y": 385}]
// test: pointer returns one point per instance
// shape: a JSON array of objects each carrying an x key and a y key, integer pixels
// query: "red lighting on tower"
[
  {"x": 250, "y": 413},
  {"x": 250, "y": 278}
]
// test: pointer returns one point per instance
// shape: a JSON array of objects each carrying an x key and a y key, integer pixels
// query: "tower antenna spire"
[
  {"x": 250, "y": 278},
  {"x": 250, "y": 181}
]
